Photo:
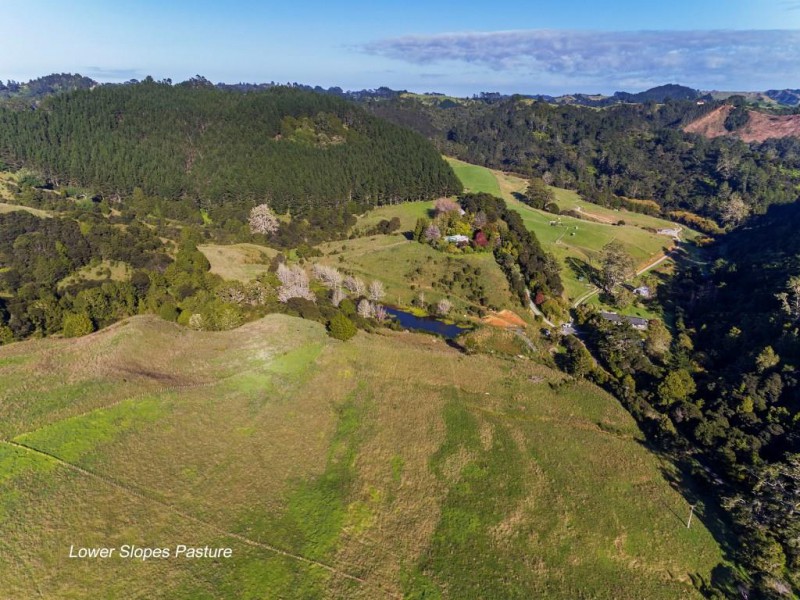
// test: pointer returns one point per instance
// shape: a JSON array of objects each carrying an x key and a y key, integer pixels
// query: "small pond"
[{"x": 429, "y": 324}]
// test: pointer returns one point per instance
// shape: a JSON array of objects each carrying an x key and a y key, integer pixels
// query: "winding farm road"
[{"x": 652, "y": 264}]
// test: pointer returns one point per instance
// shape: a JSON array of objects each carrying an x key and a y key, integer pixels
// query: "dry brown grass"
[
  {"x": 249, "y": 447},
  {"x": 242, "y": 262}
]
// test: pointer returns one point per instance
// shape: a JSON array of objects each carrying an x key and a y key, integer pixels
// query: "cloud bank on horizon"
[{"x": 607, "y": 61}]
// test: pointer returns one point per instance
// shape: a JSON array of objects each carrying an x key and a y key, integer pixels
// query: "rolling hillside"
[
  {"x": 759, "y": 127},
  {"x": 575, "y": 242},
  {"x": 303, "y": 151},
  {"x": 385, "y": 467}
]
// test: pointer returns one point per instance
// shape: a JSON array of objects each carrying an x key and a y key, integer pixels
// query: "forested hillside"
[
  {"x": 744, "y": 418},
  {"x": 629, "y": 150},
  {"x": 723, "y": 395},
  {"x": 296, "y": 149},
  {"x": 44, "y": 86}
]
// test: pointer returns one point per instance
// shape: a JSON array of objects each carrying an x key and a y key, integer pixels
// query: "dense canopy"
[{"x": 296, "y": 149}]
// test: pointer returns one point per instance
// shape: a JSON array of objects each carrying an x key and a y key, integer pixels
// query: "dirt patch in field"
[
  {"x": 504, "y": 318},
  {"x": 596, "y": 217}
]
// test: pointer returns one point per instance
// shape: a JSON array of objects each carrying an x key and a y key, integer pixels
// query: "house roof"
[
  {"x": 615, "y": 318},
  {"x": 609, "y": 316}
]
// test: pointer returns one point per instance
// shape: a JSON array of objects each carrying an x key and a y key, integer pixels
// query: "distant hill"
[
  {"x": 785, "y": 97},
  {"x": 660, "y": 94},
  {"x": 45, "y": 86},
  {"x": 298, "y": 149}
]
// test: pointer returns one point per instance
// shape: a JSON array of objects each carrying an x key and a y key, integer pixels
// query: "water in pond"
[{"x": 428, "y": 324}]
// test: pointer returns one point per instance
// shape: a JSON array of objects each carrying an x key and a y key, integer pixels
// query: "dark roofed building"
[{"x": 636, "y": 322}]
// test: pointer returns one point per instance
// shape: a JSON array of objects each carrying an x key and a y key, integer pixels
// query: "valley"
[{"x": 284, "y": 342}]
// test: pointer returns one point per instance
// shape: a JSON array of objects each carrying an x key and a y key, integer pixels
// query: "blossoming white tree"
[
  {"x": 365, "y": 309},
  {"x": 294, "y": 283},
  {"x": 355, "y": 286},
  {"x": 376, "y": 291},
  {"x": 330, "y": 277},
  {"x": 263, "y": 220}
]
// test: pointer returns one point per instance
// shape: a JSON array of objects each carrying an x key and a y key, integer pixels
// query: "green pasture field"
[{"x": 388, "y": 466}]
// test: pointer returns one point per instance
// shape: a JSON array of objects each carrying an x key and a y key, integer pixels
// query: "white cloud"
[{"x": 718, "y": 58}]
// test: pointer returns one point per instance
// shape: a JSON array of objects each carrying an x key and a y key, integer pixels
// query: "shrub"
[
  {"x": 168, "y": 312},
  {"x": 76, "y": 325},
  {"x": 6, "y": 335},
  {"x": 552, "y": 207},
  {"x": 347, "y": 307},
  {"x": 341, "y": 328}
]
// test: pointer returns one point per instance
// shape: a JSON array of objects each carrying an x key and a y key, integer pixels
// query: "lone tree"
[
  {"x": 263, "y": 220},
  {"x": 538, "y": 195},
  {"x": 616, "y": 265},
  {"x": 444, "y": 306}
]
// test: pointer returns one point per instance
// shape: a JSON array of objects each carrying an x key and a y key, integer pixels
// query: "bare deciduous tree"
[
  {"x": 330, "y": 277},
  {"x": 444, "y": 306},
  {"x": 380, "y": 314},
  {"x": 365, "y": 309},
  {"x": 355, "y": 286},
  {"x": 294, "y": 282},
  {"x": 734, "y": 211},
  {"x": 263, "y": 220},
  {"x": 376, "y": 291},
  {"x": 337, "y": 296}
]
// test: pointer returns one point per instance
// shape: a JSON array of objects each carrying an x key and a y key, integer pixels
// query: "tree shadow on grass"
[
  {"x": 701, "y": 488},
  {"x": 583, "y": 269}
]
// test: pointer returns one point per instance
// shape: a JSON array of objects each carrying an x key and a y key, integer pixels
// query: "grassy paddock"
[
  {"x": 242, "y": 262},
  {"x": 407, "y": 268},
  {"x": 475, "y": 178},
  {"x": 574, "y": 242},
  {"x": 113, "y": 270},
  {"x": 391, "y": 458}
]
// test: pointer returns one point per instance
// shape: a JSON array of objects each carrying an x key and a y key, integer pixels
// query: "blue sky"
[{"x": 459, "y": 47}]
